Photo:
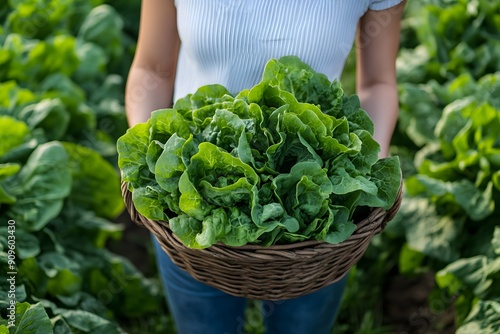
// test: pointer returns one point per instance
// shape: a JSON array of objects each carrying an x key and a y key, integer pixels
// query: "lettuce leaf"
[{"x": 40, "y": 187}]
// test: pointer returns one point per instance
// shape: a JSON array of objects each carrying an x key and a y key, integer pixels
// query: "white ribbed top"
[{"x": 229, "y": 41}]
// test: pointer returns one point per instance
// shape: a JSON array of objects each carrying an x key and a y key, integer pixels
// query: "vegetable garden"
[{"x": 81, "y": 266}]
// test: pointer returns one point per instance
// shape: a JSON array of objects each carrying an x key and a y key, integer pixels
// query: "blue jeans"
[{"x": 199, "y": 308}]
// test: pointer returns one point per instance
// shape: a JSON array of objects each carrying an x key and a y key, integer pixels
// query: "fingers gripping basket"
[{"x": 269, "y": 273}]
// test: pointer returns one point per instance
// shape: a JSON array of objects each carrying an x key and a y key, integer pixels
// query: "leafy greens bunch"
[{"x": 287, "y": 160}]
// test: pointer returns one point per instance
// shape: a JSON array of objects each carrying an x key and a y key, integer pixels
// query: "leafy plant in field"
[
  {"x": 62, "y": 262},
  {"x": 458, "y": 171},
  {"x": 452, "y": 201},
  {"x": 422, "y": 105}
]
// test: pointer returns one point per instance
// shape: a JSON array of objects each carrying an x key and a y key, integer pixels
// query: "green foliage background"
[{"x": 62, "y": 70}]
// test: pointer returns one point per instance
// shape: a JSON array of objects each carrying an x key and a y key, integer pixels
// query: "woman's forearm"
[
  {"x": 147, "y": 90},
  {"x": 376, "y": 82},
  {"x": 381, "y": 102},
  {"x": 150, "y": 83}
]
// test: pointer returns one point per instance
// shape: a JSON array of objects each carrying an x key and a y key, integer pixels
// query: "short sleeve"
[{"x": 383, "y": 4}]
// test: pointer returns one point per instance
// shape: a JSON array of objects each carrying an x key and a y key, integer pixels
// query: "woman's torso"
[{"x": 229, "y": 41}]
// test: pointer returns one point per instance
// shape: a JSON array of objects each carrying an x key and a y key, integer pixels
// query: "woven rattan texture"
[{"x": 268, "y": 273}]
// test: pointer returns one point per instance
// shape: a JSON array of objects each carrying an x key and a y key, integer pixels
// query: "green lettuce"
[
  {"x": 40, "y": 187},
  {"x": 290, "y": 159}
]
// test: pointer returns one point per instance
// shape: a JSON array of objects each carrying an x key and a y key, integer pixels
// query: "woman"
[{"x": 185, "y": 44}]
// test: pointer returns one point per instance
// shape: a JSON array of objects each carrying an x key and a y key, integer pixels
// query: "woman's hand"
[
  {"x": 150, "y": 82},
  {"x": 377, "y": 48}
]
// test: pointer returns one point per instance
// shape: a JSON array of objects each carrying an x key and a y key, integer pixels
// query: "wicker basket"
[{"x": 268, "y": 273}]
